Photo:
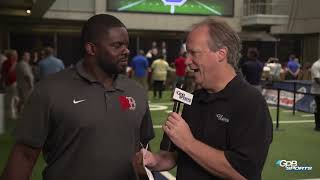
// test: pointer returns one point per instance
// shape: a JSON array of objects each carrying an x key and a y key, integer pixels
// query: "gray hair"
[{"x": 222, "y": 36}]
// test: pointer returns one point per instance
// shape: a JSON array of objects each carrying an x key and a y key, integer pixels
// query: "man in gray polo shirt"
[{"x": 88, "y": 120}]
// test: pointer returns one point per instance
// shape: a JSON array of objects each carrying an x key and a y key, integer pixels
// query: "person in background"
[
  {"x": 275, "y": 68},
  {"x": 35, "y": 58},
  {"x": 283, "y": 71},
  {"x": 293, "y": 68},
  {"x": 3, "y": 58},
  {"x": 164, "y": 50},
  {"x": 227, "y": 130},
  {"x": 140, "y": 67},
  {"x": 88, "y": 120},
  {"x": 49, "y": 64},
  {"x": 252, "y": 68},
  {"x": 315, "y": 89},
  {"x": 9, "y": 78},
  {"x": 153, "y": 52},
  {"x": 305, "y": 73},
  {"x": 159, "y": 69},
  {"x": 180, "y": 64},
  {"x": 25, "y": 79}
]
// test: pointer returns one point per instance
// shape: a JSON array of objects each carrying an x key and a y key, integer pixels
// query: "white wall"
[
  {"x": 84, "y": 9},
  {"x": 304, "y": 18},
  {"x": 280, "y": 7},
  {"x": 71, "y": 9}
]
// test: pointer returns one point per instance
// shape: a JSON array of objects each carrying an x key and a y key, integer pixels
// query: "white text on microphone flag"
[{"x": 182, "y": 96}]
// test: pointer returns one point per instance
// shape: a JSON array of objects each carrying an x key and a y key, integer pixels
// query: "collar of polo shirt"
[
  {"x": 206, "y": 97},
  {"x": 118, "y": 83}
]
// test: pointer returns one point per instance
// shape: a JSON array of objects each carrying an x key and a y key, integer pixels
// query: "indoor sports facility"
[{"x": 278, "y": 30}]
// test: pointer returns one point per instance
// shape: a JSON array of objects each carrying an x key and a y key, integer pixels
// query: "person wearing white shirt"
[{"x": 315, "y": 89}]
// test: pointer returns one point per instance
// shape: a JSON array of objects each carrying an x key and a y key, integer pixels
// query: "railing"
[
  {"x": 268, "y": 85},
  {"x": 266, "y": 7}
]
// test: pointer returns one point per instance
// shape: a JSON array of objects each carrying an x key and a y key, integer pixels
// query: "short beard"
[{"x": 108, "y": 68}]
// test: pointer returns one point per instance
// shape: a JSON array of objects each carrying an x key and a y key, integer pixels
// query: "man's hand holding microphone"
[{"x": 176, "y": 131}]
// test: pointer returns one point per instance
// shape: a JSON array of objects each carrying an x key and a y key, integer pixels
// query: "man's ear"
[
  {"x": 222, "y": 54},
  {"x": 90, "y": 48}
]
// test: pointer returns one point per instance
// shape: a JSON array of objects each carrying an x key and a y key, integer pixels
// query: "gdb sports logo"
[
  {"x": 182, "y": 96},
  {"x": 292, "y": 165}
]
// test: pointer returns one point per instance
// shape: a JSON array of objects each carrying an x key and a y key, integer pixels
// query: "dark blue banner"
[{"x": 304, "y": 102}]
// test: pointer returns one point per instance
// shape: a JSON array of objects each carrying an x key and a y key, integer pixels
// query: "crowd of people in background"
[
  {"x": 19, "y": 73},
  {"x": 155, "y": 72},
  {"x": 254, "y": 70},
  {"x": 151, "y": 69}
]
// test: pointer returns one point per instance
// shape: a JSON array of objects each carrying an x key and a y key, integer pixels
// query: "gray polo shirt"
[{"x": 85, "y": 130}]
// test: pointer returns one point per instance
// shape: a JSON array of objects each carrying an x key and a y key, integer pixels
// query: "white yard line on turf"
[
  {"x": 209, "y": 8},
  {"x": 287, "y": 111},
  {"x": 294, "y": 121},
  {"x": 130, "y": 5},
  {"x": 307, "y": 115},
  {"x": 168, "y": 175},
  {"x": 163, "y": 103},
  {"x": 157, "y": 126},
  {"x": 281, "y": 122}
]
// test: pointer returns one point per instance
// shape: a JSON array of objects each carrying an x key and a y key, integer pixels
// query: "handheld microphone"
[
  {"x": 176, "y": 104},
  {"x": 179, "y": 96}
]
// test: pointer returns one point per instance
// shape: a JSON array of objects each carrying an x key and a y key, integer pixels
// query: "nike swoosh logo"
[{"x": 76, "y": 102}]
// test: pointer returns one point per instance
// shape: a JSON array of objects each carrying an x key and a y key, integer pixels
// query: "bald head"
[{"x": 97, "y": 26}]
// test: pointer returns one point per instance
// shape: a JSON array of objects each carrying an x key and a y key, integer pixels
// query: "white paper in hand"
[
  {"x": 182, "y": 96},
  {"x": 149, "y": 174}
]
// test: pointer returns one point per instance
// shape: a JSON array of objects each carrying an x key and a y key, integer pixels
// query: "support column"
[
  {"x": 55, "y": 43},
  {"x": 100, "y": 6},
  {"x": 138, "y": 44}
]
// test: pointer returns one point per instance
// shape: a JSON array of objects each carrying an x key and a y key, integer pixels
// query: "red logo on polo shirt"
[{"x": 127, "y": 103}]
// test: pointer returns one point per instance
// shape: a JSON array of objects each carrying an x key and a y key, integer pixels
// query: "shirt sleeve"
[
  {"x": 249, "y": 139},
  {"x": 33, "y": 128},
  {"x": 62, "y": 65},
  {"x": 315, "y": 71},
  {"x": 146, "y": 129},
  {"x": 153, "y": 65}
]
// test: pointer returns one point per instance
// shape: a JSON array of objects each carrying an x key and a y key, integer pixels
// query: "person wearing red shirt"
[
  {"x": 180, "y": 67},
  {"x": 8, "y": 73}
]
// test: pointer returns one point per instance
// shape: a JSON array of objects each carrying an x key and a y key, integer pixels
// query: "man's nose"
[{"x": 127, "y": 51}]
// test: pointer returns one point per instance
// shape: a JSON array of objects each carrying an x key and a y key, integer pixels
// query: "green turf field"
[
  {"x": 295, "y": 140},
  {"x": 198, "y": 7}
]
